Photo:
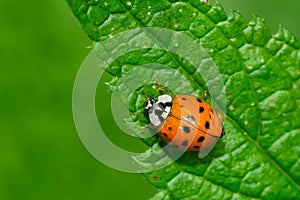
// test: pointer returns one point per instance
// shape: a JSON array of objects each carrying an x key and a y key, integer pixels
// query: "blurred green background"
[{"x": 41, "y": 156}]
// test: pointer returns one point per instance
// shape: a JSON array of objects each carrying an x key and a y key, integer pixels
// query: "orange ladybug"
[{"x": 186, "y": 121}]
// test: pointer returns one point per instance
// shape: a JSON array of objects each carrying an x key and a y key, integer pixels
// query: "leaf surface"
[{"x": 258, "y": 158}]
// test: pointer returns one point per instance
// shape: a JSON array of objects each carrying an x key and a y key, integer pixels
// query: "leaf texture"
[{"x": 259, "y": 157}]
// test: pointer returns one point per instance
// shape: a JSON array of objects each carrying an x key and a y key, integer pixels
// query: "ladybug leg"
[
  {"x": 220, "y": 115},
  {"x": 160, "y": 89},
  {"x": 136, "y": 112},
  {"x": 204, "y": 94},
  {"x": 147, "y": 97},
  {"x": 150, "y": 127},
  {"x": 145, "y": 127}
]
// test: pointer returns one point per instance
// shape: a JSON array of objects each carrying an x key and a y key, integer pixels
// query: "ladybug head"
[
  {"x": 158, "y": 109},
  {"x": 149, "y": 104}
]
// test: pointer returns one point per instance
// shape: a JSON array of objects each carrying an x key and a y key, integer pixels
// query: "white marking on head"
[
  {"x": 168, "y": 109},
  {"x": 148, "y": 105},
  {"x": 165, "y": 98},
  {"x": 159, "y": 109},
  {"x": 164, "y": 115},
  {"x": 154, "y": 119}
]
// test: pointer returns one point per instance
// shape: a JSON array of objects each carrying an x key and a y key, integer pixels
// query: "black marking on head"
[
  {"x": 150, "y": 102},
  {"x": 158, "y": 112},
  {"x": 183, "y": 98},
  {"x": 160, "y": 118},
  {"x": 186, "y": 129},
  {"x": 207, "y": 125},
  {"x": 212, "y": 111},
  {"x": 201, "y": 138},
  {"x": 196, "y": 147},
  {"x": 199, "y": 100},
  {"x": 223, "y": 132},
  {"x": 162, "y": 105},
  {"x": 210, "y": 116},
  {"x": 191, "y": 118},
  {"x": 201, "y": 109},
  {"x": 169, "y": 104},
  {"x": 185, "y": 143},
  {"x": 145, "y": 104},
  {"x": 169, "y": 128}
]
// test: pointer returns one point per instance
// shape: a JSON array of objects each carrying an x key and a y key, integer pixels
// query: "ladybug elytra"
[{"x": 186, "y": 121}]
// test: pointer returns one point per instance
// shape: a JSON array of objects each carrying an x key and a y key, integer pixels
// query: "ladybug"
[{"x": 187, "y": 122}]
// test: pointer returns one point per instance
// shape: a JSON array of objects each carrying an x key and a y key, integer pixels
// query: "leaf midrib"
[{"x": 277, "y": 166}]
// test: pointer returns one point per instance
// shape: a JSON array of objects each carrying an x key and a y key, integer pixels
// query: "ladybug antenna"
[
  {"x": 147, "y": 97},
  {"x": 161, "y": 89},
  {"x": 204, "y": 95}
]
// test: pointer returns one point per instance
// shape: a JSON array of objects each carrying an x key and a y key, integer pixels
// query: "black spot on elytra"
[
  {"x": 185, "y": 143},
  {"x": 183, "y": 98},
  {"x": 199, "y": 100},
  {"x": 165, "y": 134},
  {"x": 212, "y": 111},
  {"x": 186, "y": 129},
  {"x": 191, "y": 118},
  {"x": 207, "y": 125},
  {"x": 169, "y": 128},
  {"x": 201, "y": 109},
  {"x": 200, "y": 139},
  {"x": 210, "y": 116},
  {"x": 196, "y": 147}
]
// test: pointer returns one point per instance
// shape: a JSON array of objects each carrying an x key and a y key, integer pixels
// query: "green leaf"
[{"x": 258, "y": 158}]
